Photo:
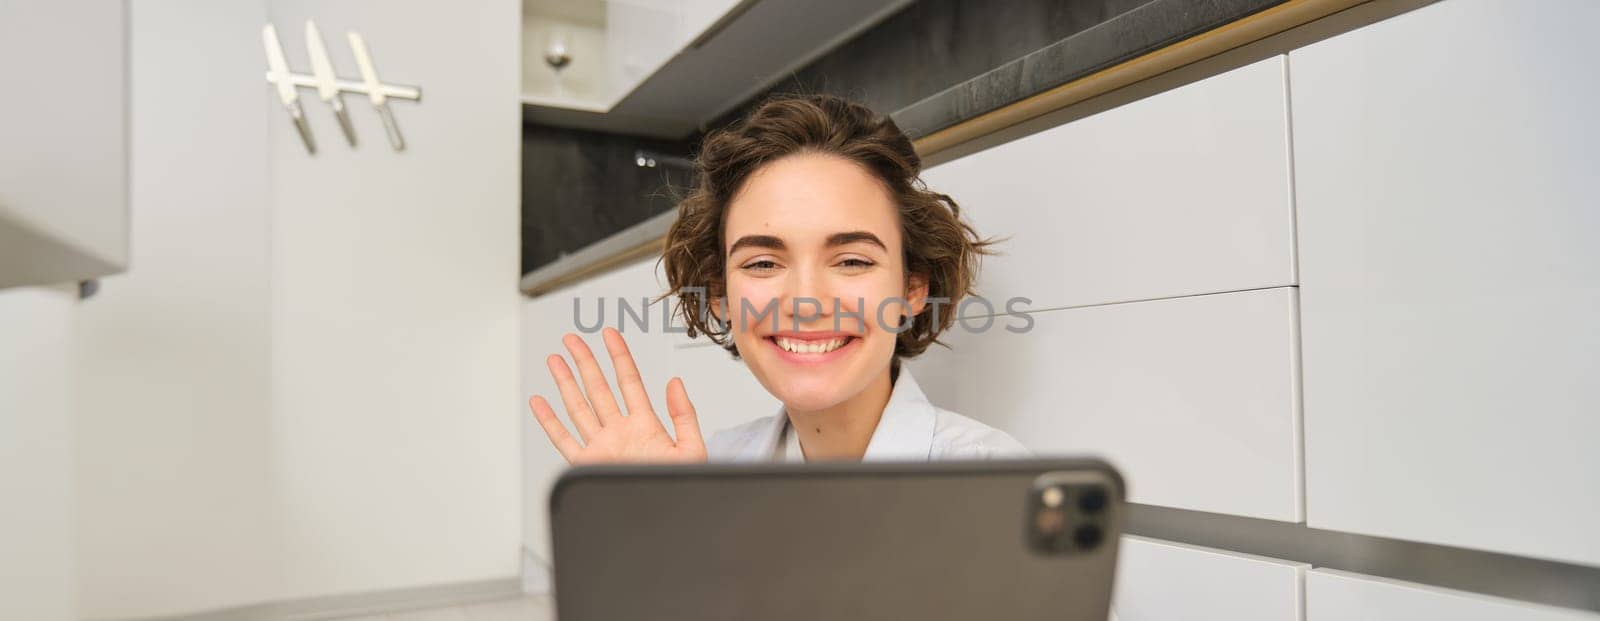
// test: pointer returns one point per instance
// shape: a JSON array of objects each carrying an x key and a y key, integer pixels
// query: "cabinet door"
[
  {"x": 1183, "y": 192},
  {"x": 38, "y": 454},
  {"x": 1193, "y": 398},
  {"x": 1338, "y": 596},
  {"x": 63, "y": 140},
  {"x": 1450, "y": 278},
  {"x": 1161, "y": 580}
]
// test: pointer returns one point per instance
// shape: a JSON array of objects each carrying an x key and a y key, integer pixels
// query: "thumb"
[{"x": 684, "y": 423}]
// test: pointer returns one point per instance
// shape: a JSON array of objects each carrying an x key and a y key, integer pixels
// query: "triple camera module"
[{"x": 1066, "y": 517}]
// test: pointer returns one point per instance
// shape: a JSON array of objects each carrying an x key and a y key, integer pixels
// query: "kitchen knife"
[
  {"x": 287, "y": 92},
  {"x": 369, "y": 75},
  {"x": 327, "y": 81}
]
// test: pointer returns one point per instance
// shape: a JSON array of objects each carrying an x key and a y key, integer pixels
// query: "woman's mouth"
[{"x": 807, "y": 348}]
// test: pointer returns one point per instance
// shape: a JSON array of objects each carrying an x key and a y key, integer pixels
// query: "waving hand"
[{"x": 607, "y": 433}]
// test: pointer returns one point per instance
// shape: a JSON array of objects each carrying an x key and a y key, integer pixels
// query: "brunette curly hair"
[{"x": 938, "y": 245}]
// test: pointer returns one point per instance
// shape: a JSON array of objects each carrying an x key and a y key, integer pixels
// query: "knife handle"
[
  {"x": 389, "y": 127},
  {"x": 298, "y": 116},
  {"x": 344, "y": 120}
]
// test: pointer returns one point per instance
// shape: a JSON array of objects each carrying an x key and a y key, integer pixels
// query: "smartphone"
[{"x": 1016, "y": 540}]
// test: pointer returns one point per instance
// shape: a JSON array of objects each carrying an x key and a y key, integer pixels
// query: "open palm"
[{"x": 608, "y": 434}]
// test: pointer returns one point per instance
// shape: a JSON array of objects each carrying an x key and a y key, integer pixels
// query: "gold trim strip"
[{"x": 1198, "y": 47}]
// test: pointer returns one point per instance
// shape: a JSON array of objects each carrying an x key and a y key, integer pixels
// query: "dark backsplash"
[
  {"x": 933, "y": 45},
  {"x": 579, "y": 187}
]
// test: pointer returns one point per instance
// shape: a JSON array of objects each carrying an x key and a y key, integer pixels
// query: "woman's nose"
[{"x": 807, "y": 297}]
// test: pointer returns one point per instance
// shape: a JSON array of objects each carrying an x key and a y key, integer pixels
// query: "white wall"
[
  {"x": 394, "y": 314},
  {"x": 306, "y": 383},
  {"x": 36, "y": 446},
  {"x": 175, "y": 454}
]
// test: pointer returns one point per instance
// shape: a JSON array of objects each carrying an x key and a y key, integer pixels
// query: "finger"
[
  {"x": 572, "y": 397},
  {"x": 566, "y": 444},
  {"x": 594, "y": 381},
  {"x": 685, "y": 424},
  {"x": 628, "y": 380}
]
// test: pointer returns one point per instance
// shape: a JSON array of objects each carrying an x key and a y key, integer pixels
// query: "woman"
[{"x": 823, "y": 262}]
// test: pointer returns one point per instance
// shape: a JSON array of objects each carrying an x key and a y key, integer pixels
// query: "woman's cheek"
[
  {"x": 860, "y": 305},
  {"x": 750, "y": 305}
]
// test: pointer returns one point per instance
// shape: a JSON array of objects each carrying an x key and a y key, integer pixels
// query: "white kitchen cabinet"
[
  {"x": 1163, "y": 580},
  {"x": 63, "y": 140},
  {"x": 37, "y": 454},
  {"x": 1342, "y": 596},
  {"x": 1181, "y": 193},
  {"x": 1194, "y": 399},
  {"x": 1450, "y": 279}
]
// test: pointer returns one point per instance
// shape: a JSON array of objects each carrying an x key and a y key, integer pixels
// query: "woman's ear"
[{"x": 916, "y": 293}]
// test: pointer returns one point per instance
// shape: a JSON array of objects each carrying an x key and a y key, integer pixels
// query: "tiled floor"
[{"x": 528, "y": 608}]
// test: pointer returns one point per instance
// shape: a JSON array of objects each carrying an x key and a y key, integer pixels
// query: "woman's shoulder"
[{"x": 960, "y": 437}]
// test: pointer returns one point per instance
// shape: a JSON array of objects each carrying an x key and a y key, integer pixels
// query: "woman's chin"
[
  {"x": 809, "y": 401},
  {"x": 808, "y": 394}
]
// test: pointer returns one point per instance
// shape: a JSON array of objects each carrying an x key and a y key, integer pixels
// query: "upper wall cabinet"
[
  {"x": 63, "y": 141},
  {"x": 586, "y": 54},
  {"x": 1181, "y": 193},
  {"x": 1445, "y": 170},
  {"x": 663, "y": 68},
  {"x": 1340, "y": 596}
]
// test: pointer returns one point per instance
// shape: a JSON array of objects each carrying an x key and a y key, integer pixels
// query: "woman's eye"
[
  {"x": 762, "y": 265},
  {"x": 856, "y": 263}
]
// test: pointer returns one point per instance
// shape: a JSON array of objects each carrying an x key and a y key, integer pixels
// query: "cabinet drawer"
[
  {"x": 1337, "y": 596},
  {"x": 1194, "y": 399},
  {"x": 1161, "y": 580},
  {"x": 1183, "y": 192}
]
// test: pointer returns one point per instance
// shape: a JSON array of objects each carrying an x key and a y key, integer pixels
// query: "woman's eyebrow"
[
  {"x": 758, "y": 241},
  {"x": 849, "y": 237}
]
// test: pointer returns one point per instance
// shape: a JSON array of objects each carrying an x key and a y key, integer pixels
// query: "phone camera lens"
[
  {"x": 1092, "y": 500},
  {"x": 1050, "y": 523},
  {"x": 1086, "y": 536}
]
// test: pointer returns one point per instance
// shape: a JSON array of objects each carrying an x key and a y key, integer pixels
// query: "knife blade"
[
  {"x": 380, "y": 101},
  {"x": 327, "y": 80},
  {"x": 287, "y": 92}
]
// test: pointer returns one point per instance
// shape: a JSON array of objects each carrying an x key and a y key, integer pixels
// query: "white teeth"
[{"x": 809, "y": 347}]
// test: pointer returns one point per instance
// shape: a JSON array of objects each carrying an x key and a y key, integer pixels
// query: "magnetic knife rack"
[{"x": 331, "y": 88}]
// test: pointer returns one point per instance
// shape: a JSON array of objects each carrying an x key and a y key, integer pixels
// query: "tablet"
[{"x": 1014, "y": 540}]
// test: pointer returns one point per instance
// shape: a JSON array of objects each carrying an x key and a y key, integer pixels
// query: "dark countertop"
[{"x": 1133, "y": 33}]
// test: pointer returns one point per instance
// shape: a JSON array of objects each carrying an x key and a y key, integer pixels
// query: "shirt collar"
[{"x": 904, "y": 432}]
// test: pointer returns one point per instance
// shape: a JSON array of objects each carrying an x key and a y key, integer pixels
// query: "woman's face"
[{"x": 813, "y": 242}]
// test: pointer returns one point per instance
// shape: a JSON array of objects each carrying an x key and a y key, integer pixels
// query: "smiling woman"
[{"x": 823, "y": 260}]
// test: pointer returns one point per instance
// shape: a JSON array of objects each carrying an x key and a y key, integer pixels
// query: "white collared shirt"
[{"x": 911, "y": 429}]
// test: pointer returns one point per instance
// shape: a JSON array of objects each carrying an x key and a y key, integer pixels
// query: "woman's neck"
[{"x": 843, "y": 430}]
